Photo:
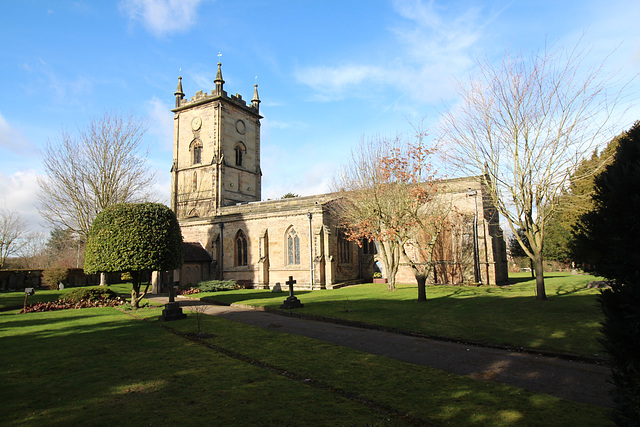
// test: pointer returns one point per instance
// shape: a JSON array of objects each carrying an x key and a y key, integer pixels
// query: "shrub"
[
  {"x": 134, "y": 238},
  {"x": 80, "y": 298},
  {"x": 217, "y": 285},
  {"x": 51, "y": 277},
  {"x": 89, "y": 294}
]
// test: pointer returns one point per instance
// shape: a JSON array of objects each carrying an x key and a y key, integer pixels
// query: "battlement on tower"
[{"x": 218, "y": 93}]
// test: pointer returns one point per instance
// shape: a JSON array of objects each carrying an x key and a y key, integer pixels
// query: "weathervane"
[{"x": 219, "y": 56}]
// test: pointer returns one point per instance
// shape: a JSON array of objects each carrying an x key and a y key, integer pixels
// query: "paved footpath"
[{"x": 566, "y": 379}]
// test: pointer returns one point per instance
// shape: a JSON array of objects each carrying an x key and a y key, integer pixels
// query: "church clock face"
[{"x": 196, "y": 123}]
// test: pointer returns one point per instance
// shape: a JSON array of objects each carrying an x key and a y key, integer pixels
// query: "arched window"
[
  {"x": 293, "y": 247},
  {"x": 368, "y": 247},
  {"x": 196, "y": 152},
  {"x": 241, "y": 249},
  {"x": 344, "y": 248},
  {"x": 240, "y": 150}
]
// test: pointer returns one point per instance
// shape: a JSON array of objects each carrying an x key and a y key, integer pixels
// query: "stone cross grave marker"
[{"x": 291, "y": 301}]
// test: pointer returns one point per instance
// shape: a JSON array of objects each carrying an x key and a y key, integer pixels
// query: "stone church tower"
[{"x": 216, "y": 151}]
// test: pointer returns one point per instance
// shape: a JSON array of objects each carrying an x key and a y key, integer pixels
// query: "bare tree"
[
  {"x": 13, "y": 229},
  {"x": 367, "y": 208},
  {"x": 525, "y": 124},
  {"x": 99, "y": 167},
  {"x": 390, "y": 196},
  {"x": 33, "y": 251},
  {"x": 421, "y": 207}
]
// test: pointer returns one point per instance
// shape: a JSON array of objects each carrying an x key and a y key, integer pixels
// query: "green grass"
[
  {"x": 569, "y": 321},
  {"x": 105, "y": 367}
]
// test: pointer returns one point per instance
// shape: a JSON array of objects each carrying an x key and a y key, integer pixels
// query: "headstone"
[
  {"x": 291, "y": 301},
  {"x": 172, "y": 310},
  {"x": 276, "y": 288},
  {"x": 60, "y": 286}
]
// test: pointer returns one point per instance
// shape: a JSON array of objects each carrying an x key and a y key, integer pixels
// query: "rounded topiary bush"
[{"x": 134, "y": 238}]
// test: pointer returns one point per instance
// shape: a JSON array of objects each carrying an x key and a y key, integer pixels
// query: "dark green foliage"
[
  {"x": 290, "y": 195},
  {"x": 135, "y": 239},
  {"x": 573, "y": 203},
  {"x": 217, "y": 285},
  {"x": 621, "y": 329},
  {"x": 51, "y": 277},
  {"x": 90, "y": 294},
  {"x": 607, "y": 241},
  {"x": 515, "y": 249}
]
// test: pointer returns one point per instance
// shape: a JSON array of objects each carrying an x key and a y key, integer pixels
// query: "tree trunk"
[
  {"x": 422, "y": 287},
  {"x": 135, "y": 289},
  {"x": 541, "y": 295},
  {"x": 532, "y": 268}
]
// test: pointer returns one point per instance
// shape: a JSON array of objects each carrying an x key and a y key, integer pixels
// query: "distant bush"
[
  {"x": 217, "y": 285},
  {"x": 51, "y": 277}
]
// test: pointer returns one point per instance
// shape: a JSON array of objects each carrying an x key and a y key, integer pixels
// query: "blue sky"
[{"x": 329, "y": 72}]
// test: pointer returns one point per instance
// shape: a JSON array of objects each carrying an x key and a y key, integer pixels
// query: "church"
[{"x": 230, "y": 233}]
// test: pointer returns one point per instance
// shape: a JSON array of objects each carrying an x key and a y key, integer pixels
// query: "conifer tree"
[{"x": 607, "y": 241}]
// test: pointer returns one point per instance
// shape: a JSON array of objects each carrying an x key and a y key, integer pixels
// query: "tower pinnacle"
[
  {"x": 218, "y": 81},
  {"x": 179, "y": 94},
  {"x": 256, "y": 100}
]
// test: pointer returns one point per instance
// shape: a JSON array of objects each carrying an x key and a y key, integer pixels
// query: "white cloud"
[
  {"x": 160, "y": 123},
  {"x": 432, "y": 44},
  {"x": 161, "y": 17},
  {"x": 13, "y": 139},
  {"x": 18, "y": 193},
  {"x": 331, "y": 83}
]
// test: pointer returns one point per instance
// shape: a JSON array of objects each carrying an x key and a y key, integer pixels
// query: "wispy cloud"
[
  {"x": 160, "y": 122},
  {"x": 13, "y": 139},
  {"x": 18, "y": 194},
  {"x": 162, "y": 17},
  {"x": 432, "y": 43},
  {"x": 65, "y": 90},
  {"x": 331, "y": 83}
]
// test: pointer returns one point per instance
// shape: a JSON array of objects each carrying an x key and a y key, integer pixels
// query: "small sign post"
[{"x": 27, "y": 293}]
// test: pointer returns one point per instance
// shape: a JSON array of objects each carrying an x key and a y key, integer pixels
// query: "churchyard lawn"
[
  {"x": 106, "y": 366},
  {"x": 567, "y": 322}
]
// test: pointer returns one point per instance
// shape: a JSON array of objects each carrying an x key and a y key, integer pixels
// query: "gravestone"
[
  {"x": 172, "y": 310},
  {"x": 276, "y": 288},
  {"x": 291, "y": 301}
]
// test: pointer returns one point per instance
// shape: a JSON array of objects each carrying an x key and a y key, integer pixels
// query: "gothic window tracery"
[
  {"x": 344, "y": 248},
  {"x": 241, "y": 249},
  {"x": 293, "y": 247}
]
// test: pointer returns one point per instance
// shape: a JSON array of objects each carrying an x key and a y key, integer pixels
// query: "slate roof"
[{"x": 195, "y": 252}]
